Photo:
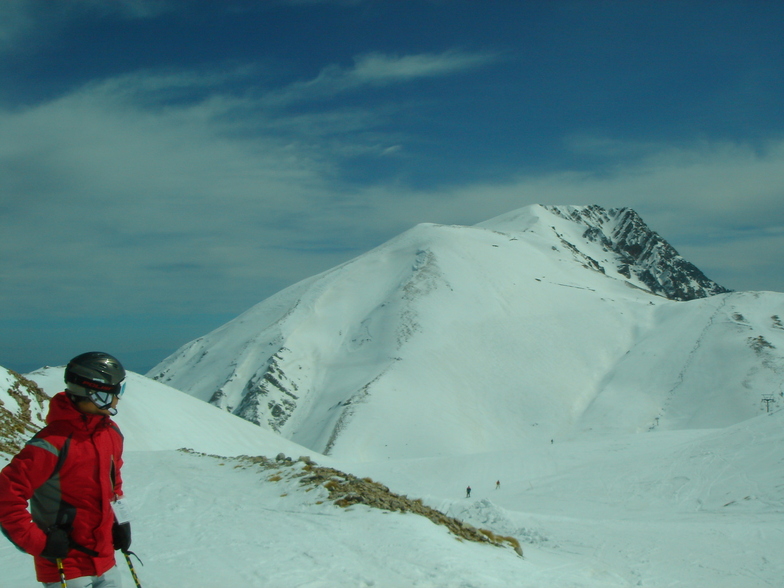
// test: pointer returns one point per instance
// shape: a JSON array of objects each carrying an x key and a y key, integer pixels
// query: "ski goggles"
[
  {"x": 103, "y": 398},
  {"x": 95, "y": 386}
]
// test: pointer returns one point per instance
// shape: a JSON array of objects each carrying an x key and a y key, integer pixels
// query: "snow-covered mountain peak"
[
  {"x": 616, "y": 242},
  {"x": 453, "y": 339}
]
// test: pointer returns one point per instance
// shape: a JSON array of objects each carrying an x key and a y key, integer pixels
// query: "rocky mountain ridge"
[{"x": 640, "y": 252}]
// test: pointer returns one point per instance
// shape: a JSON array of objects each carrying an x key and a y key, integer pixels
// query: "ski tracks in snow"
[{"x": 690, "y": 357}]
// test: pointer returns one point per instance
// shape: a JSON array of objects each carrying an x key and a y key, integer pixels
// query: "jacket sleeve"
[
  {"x": 117, "y": 463},
  {"x": 28, "y": 470},
  {"x": 118, "y": 486}
]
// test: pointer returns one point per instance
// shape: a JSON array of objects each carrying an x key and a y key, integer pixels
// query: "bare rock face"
[
  {"x": 22, "y": 408},
  {"x": 270, "y": 395},
  {"x": 641, "y": 252}
]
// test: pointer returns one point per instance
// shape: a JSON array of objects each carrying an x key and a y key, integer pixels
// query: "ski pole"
[
  {"x": 62, "y": 572},
  {"x": 133, "y": 571}
]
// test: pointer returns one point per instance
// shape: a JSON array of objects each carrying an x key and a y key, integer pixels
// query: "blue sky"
[{"x": 165, "y": 165}]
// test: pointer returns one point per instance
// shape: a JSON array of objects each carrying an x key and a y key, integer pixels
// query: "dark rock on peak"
[{"x": 641, "y": 252}]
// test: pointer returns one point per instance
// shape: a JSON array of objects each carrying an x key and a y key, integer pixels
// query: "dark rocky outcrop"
[
  {"x": 641, "y": 252},
  {"x": 23, "y": 416}
]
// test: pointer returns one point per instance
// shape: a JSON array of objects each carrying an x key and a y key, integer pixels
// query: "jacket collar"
[{"x": 61, "y": 408}]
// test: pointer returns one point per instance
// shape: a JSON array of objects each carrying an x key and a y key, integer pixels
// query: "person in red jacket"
[{"x": 70, "y": 474}]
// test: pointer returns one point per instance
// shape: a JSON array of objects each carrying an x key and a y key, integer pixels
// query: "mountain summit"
[
  {"x": 541, "y": 323},
  {"x": 638, "y": 251}
]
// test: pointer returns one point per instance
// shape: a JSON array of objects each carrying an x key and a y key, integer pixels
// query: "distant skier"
[
  {"x": 468, "y": 492},
  {"x": 497, "y": 484}
]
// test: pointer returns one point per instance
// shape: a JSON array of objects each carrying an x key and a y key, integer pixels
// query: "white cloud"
[
  {"x": 160, "y": 85},
  {"x": 117, "y": 200},
  {"x": 378, "y": 69},
  {"x": 99, "y": 190}
]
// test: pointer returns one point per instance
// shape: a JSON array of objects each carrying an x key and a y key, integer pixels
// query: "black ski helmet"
[{"x": 94, "y": 371}]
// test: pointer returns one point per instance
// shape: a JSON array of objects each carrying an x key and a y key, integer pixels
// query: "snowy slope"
[
  {"x": 453, "y": 340},
  {"x": 700, "y": 364},
  {"x": 155, "y": 417},
  {"x": 702, "y": 508}
]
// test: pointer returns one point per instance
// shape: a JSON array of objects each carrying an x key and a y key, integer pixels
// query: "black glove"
[
  {"x": 57, "y": 543},
  {"x": 121, "y": 535}
]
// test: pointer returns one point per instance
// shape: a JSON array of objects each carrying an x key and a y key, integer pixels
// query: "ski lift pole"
[
  {"x": 62, "y": 573},
  {"x": 133, "y": 571}
]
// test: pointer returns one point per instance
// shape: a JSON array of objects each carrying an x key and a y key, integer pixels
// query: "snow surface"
[{"x": 697, "y": 508}]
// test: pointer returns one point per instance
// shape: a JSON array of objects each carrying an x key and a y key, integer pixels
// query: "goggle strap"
[{"x": 97, "y": 386}]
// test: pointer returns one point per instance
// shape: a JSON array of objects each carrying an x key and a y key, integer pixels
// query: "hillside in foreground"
[{"x": 702, "y": 507}]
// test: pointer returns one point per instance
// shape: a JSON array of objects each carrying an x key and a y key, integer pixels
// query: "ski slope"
[{"x": 700, "y": 507}]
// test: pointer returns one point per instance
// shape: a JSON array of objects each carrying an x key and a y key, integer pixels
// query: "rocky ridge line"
[
  {"x": 345, "y": 490},
  {"x": 641, "y": 252}
]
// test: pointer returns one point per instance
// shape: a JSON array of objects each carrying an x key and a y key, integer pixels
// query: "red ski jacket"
[{"x": 70, "y": 473}]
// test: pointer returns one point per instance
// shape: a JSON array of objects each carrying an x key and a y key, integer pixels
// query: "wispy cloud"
[
  {"x": 123, "y": 200},
  {"x": 26, "y": 23},
  {"x": 130, "y": 8},
  {"x": 382, "y": 69},
  {"x": 378, "y": 70},
  {"x": 164, "y": 85},
  {"x": 104, "y": 187}
]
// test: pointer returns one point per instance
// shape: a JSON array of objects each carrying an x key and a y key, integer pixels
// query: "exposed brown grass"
[{"x": 346, "y": 490}]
